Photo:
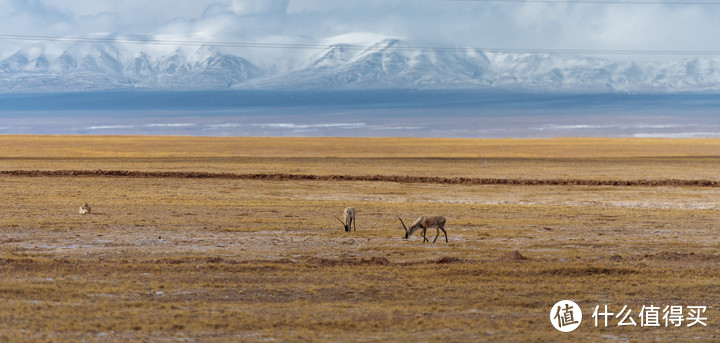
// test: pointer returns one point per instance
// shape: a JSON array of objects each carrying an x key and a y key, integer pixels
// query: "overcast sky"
[{"x": 422, "y": 22}]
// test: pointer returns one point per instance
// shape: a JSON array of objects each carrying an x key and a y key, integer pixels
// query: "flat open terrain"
[{"x": 169, "y": 258}]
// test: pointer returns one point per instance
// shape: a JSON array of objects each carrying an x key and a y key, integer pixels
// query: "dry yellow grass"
[
  {"x": 243, "y": 260},
  {"x": 584, "y": 158},
  {"x": 27, "y": 146}
]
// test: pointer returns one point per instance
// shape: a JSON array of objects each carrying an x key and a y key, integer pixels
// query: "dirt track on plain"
[{"x": 379, "y": 178}]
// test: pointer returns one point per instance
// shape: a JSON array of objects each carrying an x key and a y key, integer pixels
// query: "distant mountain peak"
[{"x": 383, "y": 63}]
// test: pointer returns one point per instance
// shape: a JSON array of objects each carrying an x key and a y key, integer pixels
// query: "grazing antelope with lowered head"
[
  {"x": 349, "y": 215},
  {"x": 424, "y": 223}
]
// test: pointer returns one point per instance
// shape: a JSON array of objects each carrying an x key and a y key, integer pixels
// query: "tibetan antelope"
[
  {"x": 85, "y": 208},
  {"x": 349, "y": 215},
  {"x": 424, "y": 223}
]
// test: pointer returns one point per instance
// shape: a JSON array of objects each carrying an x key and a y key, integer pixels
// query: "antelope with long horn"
[
  {"x": 424, "y": 223},
  {"x": 349, "y": 215}
]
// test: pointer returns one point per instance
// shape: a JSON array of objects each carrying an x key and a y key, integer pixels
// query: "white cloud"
[
  {"x": 478, "y": 24},
  {"x": 244, "y": 7}
]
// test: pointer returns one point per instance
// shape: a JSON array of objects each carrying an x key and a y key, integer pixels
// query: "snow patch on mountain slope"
[{"x": 353, "y": 61}]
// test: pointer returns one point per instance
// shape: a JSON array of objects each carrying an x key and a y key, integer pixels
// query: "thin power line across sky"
[
  {"x": 594, "y": 2},
  {"x": 395, "y": 47}
]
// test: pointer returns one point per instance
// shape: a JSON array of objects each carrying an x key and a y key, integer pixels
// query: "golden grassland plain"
[{"x": 172, "y": 259}]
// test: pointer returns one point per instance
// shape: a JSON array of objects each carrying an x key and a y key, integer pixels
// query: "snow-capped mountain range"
[{"x": 388, "y": 63}]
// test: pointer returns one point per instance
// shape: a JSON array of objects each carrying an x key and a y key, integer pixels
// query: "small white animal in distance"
[{"x": 85, "y": 208}]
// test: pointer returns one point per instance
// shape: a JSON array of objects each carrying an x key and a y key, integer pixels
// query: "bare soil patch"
[{"x": 372, "y": 178}]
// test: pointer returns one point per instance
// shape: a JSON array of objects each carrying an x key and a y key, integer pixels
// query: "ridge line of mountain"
[{"x": 101, "y": 66}]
